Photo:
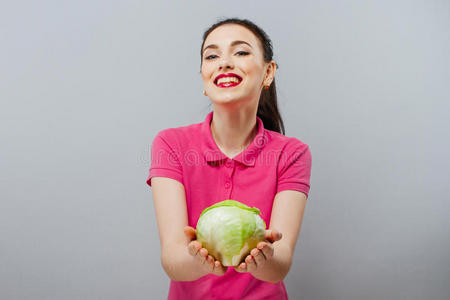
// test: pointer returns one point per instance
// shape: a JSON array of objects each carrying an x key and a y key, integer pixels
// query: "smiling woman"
[
  {"x": 247, "y": 48},
  {"x": 235, "y": 147}
]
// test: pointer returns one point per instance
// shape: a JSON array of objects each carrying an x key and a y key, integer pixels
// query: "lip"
[{"x": 227, "y": 75}]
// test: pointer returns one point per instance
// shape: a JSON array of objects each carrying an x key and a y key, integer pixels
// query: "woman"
[{"x": 239, "y": 152}]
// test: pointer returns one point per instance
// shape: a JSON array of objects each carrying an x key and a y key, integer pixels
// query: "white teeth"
[{"x": 227, "y": 79}]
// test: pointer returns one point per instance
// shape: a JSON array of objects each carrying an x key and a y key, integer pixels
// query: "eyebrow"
[{"x": 234, "y": 43}]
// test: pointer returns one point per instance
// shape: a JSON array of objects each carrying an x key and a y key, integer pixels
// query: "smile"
[{"x": 227, "y": 80}]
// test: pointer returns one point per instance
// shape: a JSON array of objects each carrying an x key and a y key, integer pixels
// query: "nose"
[{"x": 226, "y": 62}]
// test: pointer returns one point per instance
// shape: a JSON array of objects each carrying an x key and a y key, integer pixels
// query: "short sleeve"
[
  {"x": 164, "y": 160},
  {"x": 294, "y": 168}
]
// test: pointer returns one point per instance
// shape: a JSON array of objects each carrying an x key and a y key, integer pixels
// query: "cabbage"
[{"x": 229, "y": 230}]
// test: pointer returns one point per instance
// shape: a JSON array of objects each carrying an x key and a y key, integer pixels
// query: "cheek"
[
  {"x": 252, "y": 68},
  {"x": 206, "y": 74}
]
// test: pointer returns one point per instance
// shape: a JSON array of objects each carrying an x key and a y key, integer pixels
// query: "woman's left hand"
[{"x": 260, "y": 255}]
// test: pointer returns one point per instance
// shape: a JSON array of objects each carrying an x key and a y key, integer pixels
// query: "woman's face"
[{"x": 234, "y": 50}]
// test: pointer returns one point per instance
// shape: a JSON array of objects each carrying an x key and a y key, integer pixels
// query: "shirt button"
[
  {"x": 228, "y": 164},
  {"x": 227, "y": 185}
]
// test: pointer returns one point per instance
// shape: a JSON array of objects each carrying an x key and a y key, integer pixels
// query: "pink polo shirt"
[{"x": 270, "y": 164}]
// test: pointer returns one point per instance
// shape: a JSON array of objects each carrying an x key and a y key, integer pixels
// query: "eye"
[
  {"x": 242, "y": 53},
  {"x": 211, "y": 56}
]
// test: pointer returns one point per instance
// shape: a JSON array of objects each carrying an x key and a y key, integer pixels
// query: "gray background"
[{"x": 86, "y": 85}]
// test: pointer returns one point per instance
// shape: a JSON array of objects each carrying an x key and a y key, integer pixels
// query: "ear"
[{"x": 270, "y": 72}]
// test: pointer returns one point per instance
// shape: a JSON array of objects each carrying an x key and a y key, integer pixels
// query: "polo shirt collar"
[{"x": 213, "y": 154}]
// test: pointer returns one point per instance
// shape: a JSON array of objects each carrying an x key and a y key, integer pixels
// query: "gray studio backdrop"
[{"x": 86, "y": 85}]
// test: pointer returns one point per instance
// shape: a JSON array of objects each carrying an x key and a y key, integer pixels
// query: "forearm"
[
  {"x": 276, "y": 268},
  {"x": 179, "y": 264}
]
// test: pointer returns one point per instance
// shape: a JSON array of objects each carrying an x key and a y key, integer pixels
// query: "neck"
[{"x": 233, "y": 131}]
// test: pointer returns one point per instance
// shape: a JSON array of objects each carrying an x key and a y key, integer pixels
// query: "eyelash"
[{"x": 244, "y": 53}]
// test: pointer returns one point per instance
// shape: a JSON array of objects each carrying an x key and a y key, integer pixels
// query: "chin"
[{"x": 226, "y": 98}]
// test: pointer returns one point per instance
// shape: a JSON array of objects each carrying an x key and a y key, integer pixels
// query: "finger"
[
  {"x": 210, "y": 263},
  {"x": 218, "y": 268},
  {"x": 190, "y": 232},
  {"x": 194, "y": 247},
  {"x": 202, "y": 254},
  {"x": 258, "y": 256},
  {"x": 200, "y": 258},
  {"x": 241, "y": 268},
  {"x": 251, "y": 263},
  {"x": 266, "y": 249},
  {"x": 273, "y": 235}
]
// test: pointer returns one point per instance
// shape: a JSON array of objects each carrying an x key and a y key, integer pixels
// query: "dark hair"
[{"x": 268, "y": 104}]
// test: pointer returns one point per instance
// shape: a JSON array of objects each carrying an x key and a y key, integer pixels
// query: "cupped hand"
[
  {"x": 260, "y": 255},
  {"x": 200, "y": 254}
]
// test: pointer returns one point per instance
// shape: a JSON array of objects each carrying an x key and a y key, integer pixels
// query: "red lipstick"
[{"x": 228, "y": 84}]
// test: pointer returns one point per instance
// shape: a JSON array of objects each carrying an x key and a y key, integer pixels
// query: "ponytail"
[{"x": 268, "y": 110}]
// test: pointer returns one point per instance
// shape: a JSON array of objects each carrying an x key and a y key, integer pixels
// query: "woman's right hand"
[{"x": 206, "y": 261}]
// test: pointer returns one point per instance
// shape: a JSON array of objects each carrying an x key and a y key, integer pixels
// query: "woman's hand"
[
  {"x": 206, "y": 261},
  {"x": 260, "y": 255}
]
